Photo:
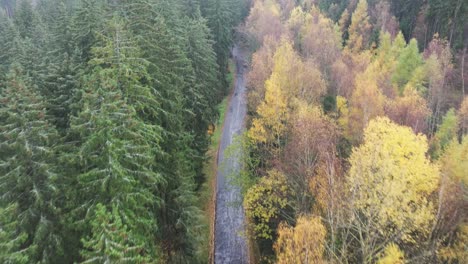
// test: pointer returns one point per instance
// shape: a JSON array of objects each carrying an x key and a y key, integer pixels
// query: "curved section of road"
[{"x": 229, "y": 242}]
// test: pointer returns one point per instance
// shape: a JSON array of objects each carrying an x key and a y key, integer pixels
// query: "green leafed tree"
[{"x": 408, "y": 61}]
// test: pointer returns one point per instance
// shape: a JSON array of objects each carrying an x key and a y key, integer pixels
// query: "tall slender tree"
[{"x": 28, "y": 172}]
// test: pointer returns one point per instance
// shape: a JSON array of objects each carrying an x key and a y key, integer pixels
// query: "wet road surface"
[{"x": 230, "y": 243}]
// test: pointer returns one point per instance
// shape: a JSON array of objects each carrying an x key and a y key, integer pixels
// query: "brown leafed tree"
[
  {"x": 360, "y": 28},
  {"x": 265, "y": 20},
  {"x": 409, "y": 110},
  {"x": 312, "y": 140},
  {"x": 261, "y": 69}
]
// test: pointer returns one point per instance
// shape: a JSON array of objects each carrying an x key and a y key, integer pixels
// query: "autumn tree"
[
  {"x": 384, "y": 20},
  {"x": 360, "y": 28},
  {"x": 297, "y": 20},
  {"x": 321, "y": 41},
  {"x": 297, "y": 78},
  {"x": 303, "y": 243},
  {"x": 290, "y": 79},
  {"x": 409, "y": 110},
  {"x": 463, "y": 116},
  {"x": 439, "y": 68},
  {"x": 450, "y": 229},
  {"x": 267, "y": 204},
  {"x": 366, "y": 102},
  {"x": 270, "y": 125},
  {"x": 311, "y": 143},
  {"x": 345, "y": 70},
  {"x": 264, "y": 20},
  {"x": 389, "y": 182},
  {"x": 392, "y": 255},
  {"x": 261, "y": 69}
]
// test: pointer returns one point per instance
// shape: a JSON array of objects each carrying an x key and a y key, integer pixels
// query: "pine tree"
[
  {"x": 25, "y": 18},
  {"x": 116, "y": 149},
  {"x": 204, "y": 92},
  {"x": 88, "y": 20},
  {"x": 172, "y": 76},
  {"x": 11, "y": 44},
  {"x": 220, "y": 21},
  {"x": 11, "y": 240},
  {"x": 61, "y": 70},
  {"x": 111, "y": 241},
  {"x": 27, "y": 169}
]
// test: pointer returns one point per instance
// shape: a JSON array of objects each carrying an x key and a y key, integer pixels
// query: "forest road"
[{"x": 230, "y": 243}]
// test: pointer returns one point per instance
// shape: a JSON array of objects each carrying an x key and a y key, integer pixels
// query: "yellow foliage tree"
[
  {"x": 452, "y": 228},
  {"x": 463, "y": 116},
  {"x": 366, "y": 103},
  {"x": 261, "y": 69},
  {"x": 296, "y": 78},
  {"x": 456, "y": 253},
  {"x": 270, "y": 125},
  {"x": 389, "y": 181},
  {"x": 392, "y": 255},
  {"x": 304, "y": 243},
  {"x": 265, "y": 203},
  {"x": 290, "y": 79}
]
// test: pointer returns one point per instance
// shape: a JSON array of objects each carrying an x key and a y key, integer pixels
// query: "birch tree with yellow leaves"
[
  {"x": 304, "y": 243},
  {"x": 389, "y": 184}
]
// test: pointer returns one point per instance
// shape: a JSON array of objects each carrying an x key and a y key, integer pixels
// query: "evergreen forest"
[{"x": 104, "y": 112}]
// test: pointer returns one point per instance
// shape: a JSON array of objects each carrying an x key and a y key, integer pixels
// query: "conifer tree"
[
  {"x": 61, "y": 70},
  {"x": 172, "y": 77},
  {"x": 11, "y": 44},
  {"x": 220, "y": 20},
  {"x": 28, "y": 173},
  {"x": 205, "y": 90},
  {"x": 116, "y": 150},
  {"x": 11, "y": 239},
  {"x": 25, "y": 18},
  {"x": 88, "y": 19},
  {"x": 111, "y": 241}
]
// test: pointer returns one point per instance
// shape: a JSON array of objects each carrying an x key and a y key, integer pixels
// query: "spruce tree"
[
  {"x": 111, "y": 241},
  {"x": 172, "y": 77},
  {"x": 27, "y": 169},
  {"x": 220, "y": 21},
  {"x": 205, "y": 91},
  {"x": 88, "y": 20},
  {"x": 11, "y": 239},
  {"x": 115, "y": 150},
  {"x": 11, "y": 44}
]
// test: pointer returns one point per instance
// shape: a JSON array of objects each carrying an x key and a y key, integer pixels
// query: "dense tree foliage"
[
  {"x": 369, "y": 140},
  {"x": 355, "y": 149},
  {"x": 104, "y": 112}
]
